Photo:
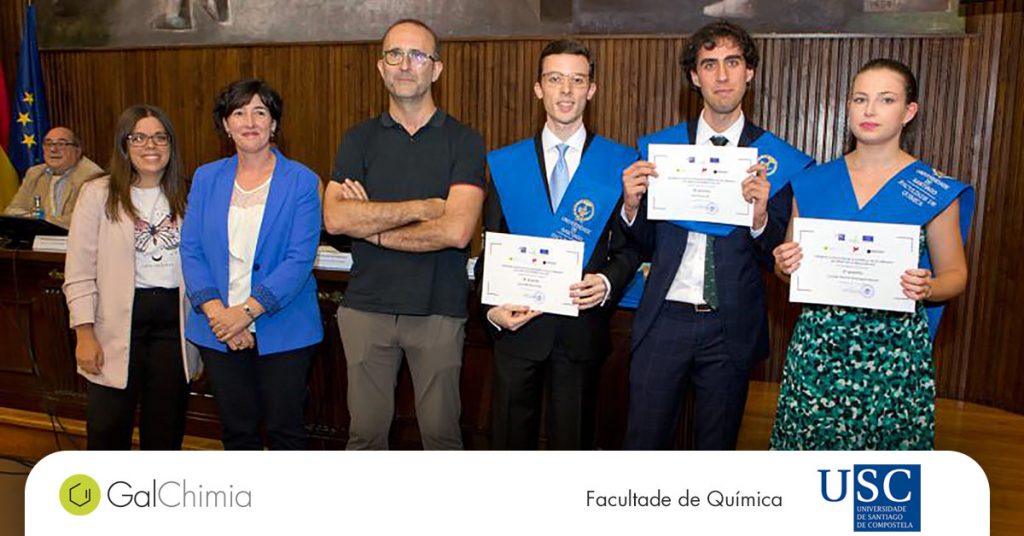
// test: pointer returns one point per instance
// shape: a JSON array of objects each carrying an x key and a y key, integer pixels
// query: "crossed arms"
[{"x": 417, "y": 225}]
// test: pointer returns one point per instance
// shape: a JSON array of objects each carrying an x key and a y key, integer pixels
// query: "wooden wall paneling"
[
  {"x": 994, "y": 374},
  {"x": 12, "y": 13},
  {"x": 1009, "y": 228}
]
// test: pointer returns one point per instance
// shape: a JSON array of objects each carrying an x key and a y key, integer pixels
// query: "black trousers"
[
  {"x": 685, "y": 348},
  {"x": 519, "y": 385},
  {"x": 156, "y": 376},
  {"x": 249, "y": 388}
]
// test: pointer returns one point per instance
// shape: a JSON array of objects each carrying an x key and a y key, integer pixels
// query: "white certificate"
[
  {"x": 531, "y": 271},
  {"x": 700, "y": 183},
  {"x": 856, "y": 264}
]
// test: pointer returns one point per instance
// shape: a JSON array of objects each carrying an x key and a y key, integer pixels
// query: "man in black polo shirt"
[{"x": 408, "y": 186}]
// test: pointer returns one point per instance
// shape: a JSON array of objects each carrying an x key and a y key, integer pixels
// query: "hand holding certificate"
[
  {"x": 700, "y": 183},
  {"x": 856, "y": 264},
  {"x": 531, "y": 271}
]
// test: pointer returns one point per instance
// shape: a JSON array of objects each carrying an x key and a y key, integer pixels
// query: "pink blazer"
[{"x": 99, "y": 285}]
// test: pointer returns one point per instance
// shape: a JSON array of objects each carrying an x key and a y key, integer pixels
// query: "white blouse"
[{"x": 245, "y": 217}]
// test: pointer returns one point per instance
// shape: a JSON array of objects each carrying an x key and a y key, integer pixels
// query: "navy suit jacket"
[{"x": 739, "y": 259}]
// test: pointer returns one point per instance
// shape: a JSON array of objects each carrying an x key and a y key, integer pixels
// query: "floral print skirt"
[{"x": 857, "y": 379}]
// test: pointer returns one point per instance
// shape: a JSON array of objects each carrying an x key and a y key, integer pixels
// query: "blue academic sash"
[
  {"x": 783, "y": 161},
  {"x": 587, "y": 204},
  {"x": 913, "y": 196}
]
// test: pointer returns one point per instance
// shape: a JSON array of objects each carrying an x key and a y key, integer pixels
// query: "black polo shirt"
[{"x": 394, "y": 166}]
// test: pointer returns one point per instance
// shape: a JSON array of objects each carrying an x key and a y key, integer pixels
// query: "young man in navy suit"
[{"x": 702, "y": 321}]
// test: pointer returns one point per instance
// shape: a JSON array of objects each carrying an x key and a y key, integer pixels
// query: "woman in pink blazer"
[{"x": 122, "y": 283}]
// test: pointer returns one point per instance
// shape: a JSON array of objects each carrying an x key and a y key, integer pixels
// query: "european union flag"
[{"x": 29, "y": 122}]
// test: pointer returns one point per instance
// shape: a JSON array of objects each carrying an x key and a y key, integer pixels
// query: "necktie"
[
  {"x": 710, "y": 287},
  {"x": 559, "y": 177}
]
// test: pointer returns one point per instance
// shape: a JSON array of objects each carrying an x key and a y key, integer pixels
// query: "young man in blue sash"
[
  {"x": 862, "y": 378},
  {"x": 702, "y": 321},
  {"x": 562, "y": 183}
]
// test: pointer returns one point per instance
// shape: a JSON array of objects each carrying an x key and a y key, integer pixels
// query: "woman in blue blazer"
[{"x": 248, "y": 243}]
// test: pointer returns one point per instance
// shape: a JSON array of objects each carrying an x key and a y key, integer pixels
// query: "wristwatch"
[{"x": 248, "y": 311}]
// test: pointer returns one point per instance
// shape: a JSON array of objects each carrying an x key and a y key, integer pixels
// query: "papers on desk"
[
  {"x": 328, "y": 258},
  {"x": 700, "y": 183},
  {"x": 856, "y": 264},
  {"x": 50, "y": 244}
]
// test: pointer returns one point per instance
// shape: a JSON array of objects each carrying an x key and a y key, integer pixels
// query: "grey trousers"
[{"x": 374, "y": 346}]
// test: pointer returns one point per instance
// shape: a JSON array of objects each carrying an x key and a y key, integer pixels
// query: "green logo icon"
[{"x": 80, "y": 495}]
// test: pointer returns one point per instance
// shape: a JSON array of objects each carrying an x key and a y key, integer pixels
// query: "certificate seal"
[
  {"x": 771, "y": 164},
  {"x": 537, "y": 297},
  {"x": 867, "y": 291},
  {"x": 583, "y": 210},
  {"x": 711, "y": 208}
]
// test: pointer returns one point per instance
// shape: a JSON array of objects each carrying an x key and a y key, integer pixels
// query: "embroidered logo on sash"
[
  {"x": 771, "y": 163},
  {"x": 583, "y": 210}
]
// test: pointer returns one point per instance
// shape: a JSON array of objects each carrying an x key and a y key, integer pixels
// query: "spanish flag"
[{"x": 8, "y": 177}]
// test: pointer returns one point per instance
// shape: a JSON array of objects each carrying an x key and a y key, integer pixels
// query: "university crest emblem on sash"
[
  {"x": 772, "y": 165},
  {"x": 583, "y": 210}
]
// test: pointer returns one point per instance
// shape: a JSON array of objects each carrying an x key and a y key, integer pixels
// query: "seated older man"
[{"x": 56, "y": 181}]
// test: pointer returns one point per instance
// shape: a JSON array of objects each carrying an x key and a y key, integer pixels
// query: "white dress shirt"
[{"x": 573, "y": 155}]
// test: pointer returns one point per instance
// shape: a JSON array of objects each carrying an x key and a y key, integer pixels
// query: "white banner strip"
[{"x": 473, "y": 493}]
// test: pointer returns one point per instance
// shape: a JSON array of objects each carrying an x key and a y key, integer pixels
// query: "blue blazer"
[
  {"x": 282, "y": 276},
  {"x": 739, "y": 260}
]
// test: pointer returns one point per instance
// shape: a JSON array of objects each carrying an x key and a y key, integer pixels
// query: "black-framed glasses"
[
  {"x": 138, "y": 139},
  {"x": 556, "y": 79},
  {"x": 60, "y": 144},
  {"x": 396, "y": 56}
]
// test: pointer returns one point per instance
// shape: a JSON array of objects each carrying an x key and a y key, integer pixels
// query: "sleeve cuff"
[
  {"x": 201, "y": 296},
  {"x": 754, "y": 233},
  {"x": 267, "y": 299},
  {"x": 488, "y": 317},
  {"x": 607, "y": 289}
]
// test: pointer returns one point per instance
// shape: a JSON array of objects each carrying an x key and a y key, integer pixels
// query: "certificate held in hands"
[
  {"x": 700, "y": 183},
  {"x": 531, "y": 271},
  {"x": 855, "y": 264}
]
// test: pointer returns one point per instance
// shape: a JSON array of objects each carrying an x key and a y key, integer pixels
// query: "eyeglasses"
[
  {"x": 60, "y": 144},
  {"x": 554, "y": 79},
  {"x": 138, "y": 139},
  {"x": 396, "y": 56}
]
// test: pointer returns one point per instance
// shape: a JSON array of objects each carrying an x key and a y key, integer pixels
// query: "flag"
[
  {"x": 29, "y": 122},
  {"x": 8, "y": 176},
  {"x": 5, "y": 112},
  {"x": 8, "y": 180}
]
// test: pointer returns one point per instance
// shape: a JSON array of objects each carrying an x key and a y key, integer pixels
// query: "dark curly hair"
[{"x": 708, "y": 37}]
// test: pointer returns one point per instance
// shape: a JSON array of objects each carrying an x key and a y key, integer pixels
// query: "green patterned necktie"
[{"x": 710, "y": 287}]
